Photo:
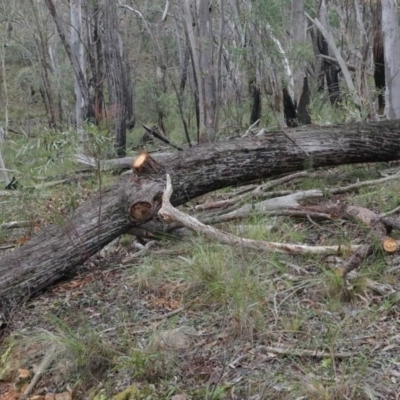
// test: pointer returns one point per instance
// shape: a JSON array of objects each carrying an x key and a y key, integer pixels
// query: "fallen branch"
[
  {"x": 169, "y": 213},
  {"x": 155, "y": 134},
  {"x": 253, "y": 190},
  {"x": 277, "y": 205},
  {"x": 48, "y": 359},
  {"x": 304, "y": 352},
  {"x": 16, "y": 225}
]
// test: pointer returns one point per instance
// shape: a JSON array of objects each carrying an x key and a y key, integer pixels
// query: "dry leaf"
[
  {"x": 23, "y": 374},
  {"x": 64, "y": 396}
]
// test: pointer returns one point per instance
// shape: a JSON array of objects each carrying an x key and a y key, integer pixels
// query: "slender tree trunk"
[
  {"x": 255, "y": 101},
  {"x": 390, "y": 28},
  {"x": 207, "y": 71},
  {"x": 331, "y": 70},
  {"x": 198, "y": 15},
  {"x": 119, "y": 82},
  {"x": 76, "y": 66},
  {"x": 379, "y": 57},
  {"x": 93, "y": 11},
  {"x": 301, "y": 92},
  {"x": 77, "y": 51},
  {"x": 3, "y": 169},
  {"x": 303, "y": 113}
]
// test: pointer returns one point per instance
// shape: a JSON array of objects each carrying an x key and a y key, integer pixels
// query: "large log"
[{"x": 58, "y": 250}]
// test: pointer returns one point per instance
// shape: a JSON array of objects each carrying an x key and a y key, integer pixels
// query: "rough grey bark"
[
  {"x": 298, "y": 41},
  {"x": 379, "y": 57},
  {"x": 200, "y": 33},
  {"x": 96, "y": 113},
  {"x": 58, "y": 250},
  {"x": 42, "y": 46},
  {"x": 117, "y": 71},
  {"x": 77, "y": 51},
  {"x": 391, "y": 44}
]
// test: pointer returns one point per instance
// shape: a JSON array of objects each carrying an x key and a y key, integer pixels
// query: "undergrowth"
[{"x": 232, "y": 310}]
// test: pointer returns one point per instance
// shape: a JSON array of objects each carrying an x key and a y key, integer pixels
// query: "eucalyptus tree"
[
  {"x": 7, "y": 11},
  {"x": 391, "y": 39},
  {"x": 77, "y": 49},
  {"x": 38, "y": 19},
  {"x": 199, "y": 27},
  {"x": 118, "y": 77},
  {"x": 105, "y": 50},
  {"x": 75, "y": 56},
  {"x": 301, "y": 90}
]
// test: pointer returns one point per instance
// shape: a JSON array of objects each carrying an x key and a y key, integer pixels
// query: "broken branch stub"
[
  {"x": 144, "y": 168},
  {"x": 146, "y": 165}
]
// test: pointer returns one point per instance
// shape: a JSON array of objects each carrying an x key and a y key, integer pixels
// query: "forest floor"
[{"x": 192, "y": 319}]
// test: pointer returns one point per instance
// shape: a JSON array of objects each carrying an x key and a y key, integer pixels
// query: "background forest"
[
  {"x": 176, "y": 315},
  {"x": 194, "y": 74}
]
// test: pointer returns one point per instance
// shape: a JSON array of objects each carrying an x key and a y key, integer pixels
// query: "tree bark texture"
[
  {"x": 78, "y": 72},
  {"x": 299, "y": 37},
  {"x": 200, "y": 34},
  {"x": 119, "y": 82},
  {"x": 96, "y": 113},
  {"x": 58, "y": 250},
  {"x": 78, "y": 53},
  {"x": 391, "y": 39},
  {"x": 379, "y": 57}
]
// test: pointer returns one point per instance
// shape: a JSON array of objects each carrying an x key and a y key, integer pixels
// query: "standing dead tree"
[{"x": 135, "y": 200}]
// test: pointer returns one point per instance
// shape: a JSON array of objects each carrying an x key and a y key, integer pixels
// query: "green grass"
[{"x": 239, "y": 303}]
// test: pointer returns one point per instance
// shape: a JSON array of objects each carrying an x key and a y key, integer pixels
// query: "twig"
[
  {"x": 344, "y": 189},
  {"x": 6, "y": 247},
  {"x": 253, "y": 190},
  {"x": 151, "y": 319},
  {"x": 165, "y": 13},
  {"x": 42, "y": 367},
  {"x": 15, "y": 224},
  {"x": 160, "y": 137},
  {"x": 139, "y": 253},
  {"x": 322, "y": 228},
  {"x": 251, "y": 126},
  {"x": 391, "y": 212},
  {"x": 165, "y": 316},
  {"x": 304, "y": 352}
]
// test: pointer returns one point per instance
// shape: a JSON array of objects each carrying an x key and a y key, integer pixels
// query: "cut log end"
[
  {"x": 141, "y": 211},
  {"x": 139, "y": 161},
  {"x": 390, "y": 245},
  {"x": 144, "y": 164}
]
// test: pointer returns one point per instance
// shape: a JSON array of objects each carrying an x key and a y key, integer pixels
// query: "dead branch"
[
  {"x": 16, "y": 225},
  {"x": 48, "y": 359},
  {"x": 276, "y": 205},
  {"x": 155, "y": 134},
  {"x": 303, "y": 352},
  {"x": 169, "y": 213}
]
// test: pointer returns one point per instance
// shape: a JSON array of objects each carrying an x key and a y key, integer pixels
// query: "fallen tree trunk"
[{"x": 58, "y": 250}]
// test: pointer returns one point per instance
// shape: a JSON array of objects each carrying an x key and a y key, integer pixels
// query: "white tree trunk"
[
  {"x": 3, "y": 170},
  {"x": 391, "y": 40},
  {"x": 298, "y": 39}
]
